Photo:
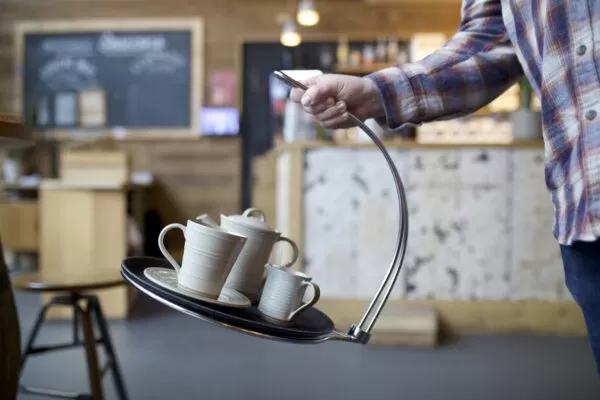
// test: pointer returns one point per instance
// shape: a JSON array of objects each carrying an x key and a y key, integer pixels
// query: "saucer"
[{"x": 167, "y": 278}]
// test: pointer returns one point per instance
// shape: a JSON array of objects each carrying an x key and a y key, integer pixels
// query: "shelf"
[
  {"x": 409, "y": 144},
  {"x": 13, "y": 133},
  {"x": 361, "y": 69}
]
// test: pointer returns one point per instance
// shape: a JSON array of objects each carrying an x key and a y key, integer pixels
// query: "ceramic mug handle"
[
  {"x": 250, "y": 211},
  {"x": 295, "y": 252},
  {"x": 313, "y": 300},
  {"x": 161, "y": 244}
]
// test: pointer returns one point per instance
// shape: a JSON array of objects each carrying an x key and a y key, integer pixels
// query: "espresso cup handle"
[
  {"x": 295, "y": 251},
  {"x": 313, "y": 300},
  {"x": 250, "y": 211},
  {"x": 161, "y": 244}
]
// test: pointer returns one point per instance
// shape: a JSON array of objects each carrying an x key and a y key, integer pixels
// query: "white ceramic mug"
[
  {"x": 247, "y": 274},
  {"x": 208, "y": 255},
  {"x": 282, "y": 295}
]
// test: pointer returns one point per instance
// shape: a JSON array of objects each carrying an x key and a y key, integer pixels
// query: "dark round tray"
[{"x": 310, "y": 326}]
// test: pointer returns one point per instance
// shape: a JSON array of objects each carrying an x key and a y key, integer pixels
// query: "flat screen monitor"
[{"x": 219, "y": 121}]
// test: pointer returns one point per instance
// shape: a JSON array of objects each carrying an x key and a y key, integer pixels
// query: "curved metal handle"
[{"x": 361, "y": 332}]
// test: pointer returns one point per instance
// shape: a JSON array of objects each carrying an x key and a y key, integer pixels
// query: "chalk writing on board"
[
  {"x": 158, "y": 63},
  {"x": 111, "y": 44}
]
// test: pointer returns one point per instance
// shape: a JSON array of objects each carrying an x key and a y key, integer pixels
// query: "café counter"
[{"x": 480, "y": 246}]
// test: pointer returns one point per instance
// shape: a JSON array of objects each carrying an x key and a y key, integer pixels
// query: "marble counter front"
[{"x": 480, "y": 220}]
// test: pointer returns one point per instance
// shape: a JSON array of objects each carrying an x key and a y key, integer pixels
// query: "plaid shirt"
[{"x": 553, "y": 42}]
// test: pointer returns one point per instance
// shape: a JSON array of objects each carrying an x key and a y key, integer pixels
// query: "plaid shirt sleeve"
[{"x": 467, "y": 73}]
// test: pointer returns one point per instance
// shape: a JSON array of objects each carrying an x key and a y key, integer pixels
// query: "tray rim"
[{"x": 334, "y": 334}]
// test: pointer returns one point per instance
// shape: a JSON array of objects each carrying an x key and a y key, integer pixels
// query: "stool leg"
[
  {"x": 108, "y": 347},
  {"x": 89, "y": 341},
  {"x": 34, "y": 332}
]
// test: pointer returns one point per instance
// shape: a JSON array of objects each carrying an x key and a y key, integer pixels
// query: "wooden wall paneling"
[
  {"x": 226, "y": 22},
  {"x": 191, "y": 177}
]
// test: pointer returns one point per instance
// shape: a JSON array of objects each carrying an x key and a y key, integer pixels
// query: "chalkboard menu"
[{"x": 136, "y": 79}]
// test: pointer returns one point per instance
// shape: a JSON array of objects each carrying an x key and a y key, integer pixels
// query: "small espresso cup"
[
  {"x": 282, "y": 295},
  {"x": 208, "y": 256}
]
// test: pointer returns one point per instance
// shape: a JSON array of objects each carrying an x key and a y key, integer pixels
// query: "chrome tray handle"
[{"x": 361, "y": 332}]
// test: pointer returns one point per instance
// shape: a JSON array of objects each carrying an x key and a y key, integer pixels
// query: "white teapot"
[{"x": 247, "y": 273}]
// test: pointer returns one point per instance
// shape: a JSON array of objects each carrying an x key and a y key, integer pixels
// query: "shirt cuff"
[{"x": 399, "y": 100}]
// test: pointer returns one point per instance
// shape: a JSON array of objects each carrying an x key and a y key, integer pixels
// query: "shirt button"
[
  {"x": 581, "y": 50},
  {"x": 590, "y": 115}
]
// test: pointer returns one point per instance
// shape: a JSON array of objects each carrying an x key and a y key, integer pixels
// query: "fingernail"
[
  {"x": 341, "y": 106},
  {"x": 330, "y": 103},
  {"x": 306, "y": 100}
]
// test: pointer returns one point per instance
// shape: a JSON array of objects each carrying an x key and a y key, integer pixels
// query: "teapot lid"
[{"x": 247, "y": 218}]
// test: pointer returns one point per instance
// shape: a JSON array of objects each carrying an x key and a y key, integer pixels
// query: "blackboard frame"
[{"x": 194, "y": 25}]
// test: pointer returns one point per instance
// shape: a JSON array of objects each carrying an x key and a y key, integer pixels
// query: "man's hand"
[{"x": 329, "y": 98}]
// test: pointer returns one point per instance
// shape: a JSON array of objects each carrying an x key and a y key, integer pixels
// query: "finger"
[
  {"x": 332, "y": 112},
  {"x": 319, "y": 108},
  {"x": 341, "y": 121},
  {"x": 296, "y": 94},
  {"x": 320, "y": 89}
]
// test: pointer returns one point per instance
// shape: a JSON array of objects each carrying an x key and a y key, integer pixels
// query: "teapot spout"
[{"x": 205, "y": 219}]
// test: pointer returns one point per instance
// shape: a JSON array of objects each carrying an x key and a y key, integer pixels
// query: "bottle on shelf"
[
  {"x": 343, "y": 51},
  {"x": 355, "y": 57},
  {"x": 368, "y": 54},
  {"x": 381, "y": 51},
  {"x": 402, "y": 57},
  {"x": 326, "y": 58},
  {"x": 392, "y": 49}
]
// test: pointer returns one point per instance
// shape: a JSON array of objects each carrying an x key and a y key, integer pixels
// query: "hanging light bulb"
[
  {"x": 289, "y": 35},
  {"x": 307, "y": 15}
]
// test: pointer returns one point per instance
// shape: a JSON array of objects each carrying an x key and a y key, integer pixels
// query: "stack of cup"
[{"x": 234, "y": 255}]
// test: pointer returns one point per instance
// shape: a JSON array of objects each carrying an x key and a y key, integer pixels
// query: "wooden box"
[{"x": 94, "y": 166}]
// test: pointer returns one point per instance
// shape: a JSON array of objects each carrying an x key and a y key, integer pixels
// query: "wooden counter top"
[
  {"x": 406, "y": 144},
  {"x": 57, "y": 184},
  {"x": 13, "y": 134}
]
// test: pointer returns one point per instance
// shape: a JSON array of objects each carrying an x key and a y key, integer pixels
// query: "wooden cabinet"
[
  {"x": 19, "y": 225},
  {"x": 84, "y": 228}
]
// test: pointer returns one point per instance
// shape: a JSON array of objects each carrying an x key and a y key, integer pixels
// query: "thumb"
[{"x": 320, "y": 89}]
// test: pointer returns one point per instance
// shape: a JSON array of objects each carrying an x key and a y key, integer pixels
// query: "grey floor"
[{"x": 170, "y": 356}]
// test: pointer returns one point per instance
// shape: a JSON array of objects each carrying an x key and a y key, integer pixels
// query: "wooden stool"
[{"x": 85, "y": 308}]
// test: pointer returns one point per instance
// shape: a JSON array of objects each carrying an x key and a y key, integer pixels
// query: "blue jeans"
[{"x": 582, "y": 273}]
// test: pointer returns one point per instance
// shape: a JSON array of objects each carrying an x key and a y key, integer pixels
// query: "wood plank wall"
[{"x": 227, "y": 22}]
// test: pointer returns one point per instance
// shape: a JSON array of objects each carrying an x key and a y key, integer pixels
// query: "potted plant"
[
  {"x": 13, "y": 164},
  {"x": 526, "y": 123}
]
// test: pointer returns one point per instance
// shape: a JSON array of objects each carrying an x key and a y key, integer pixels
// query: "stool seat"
[{"x": 56, "y": 281}]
